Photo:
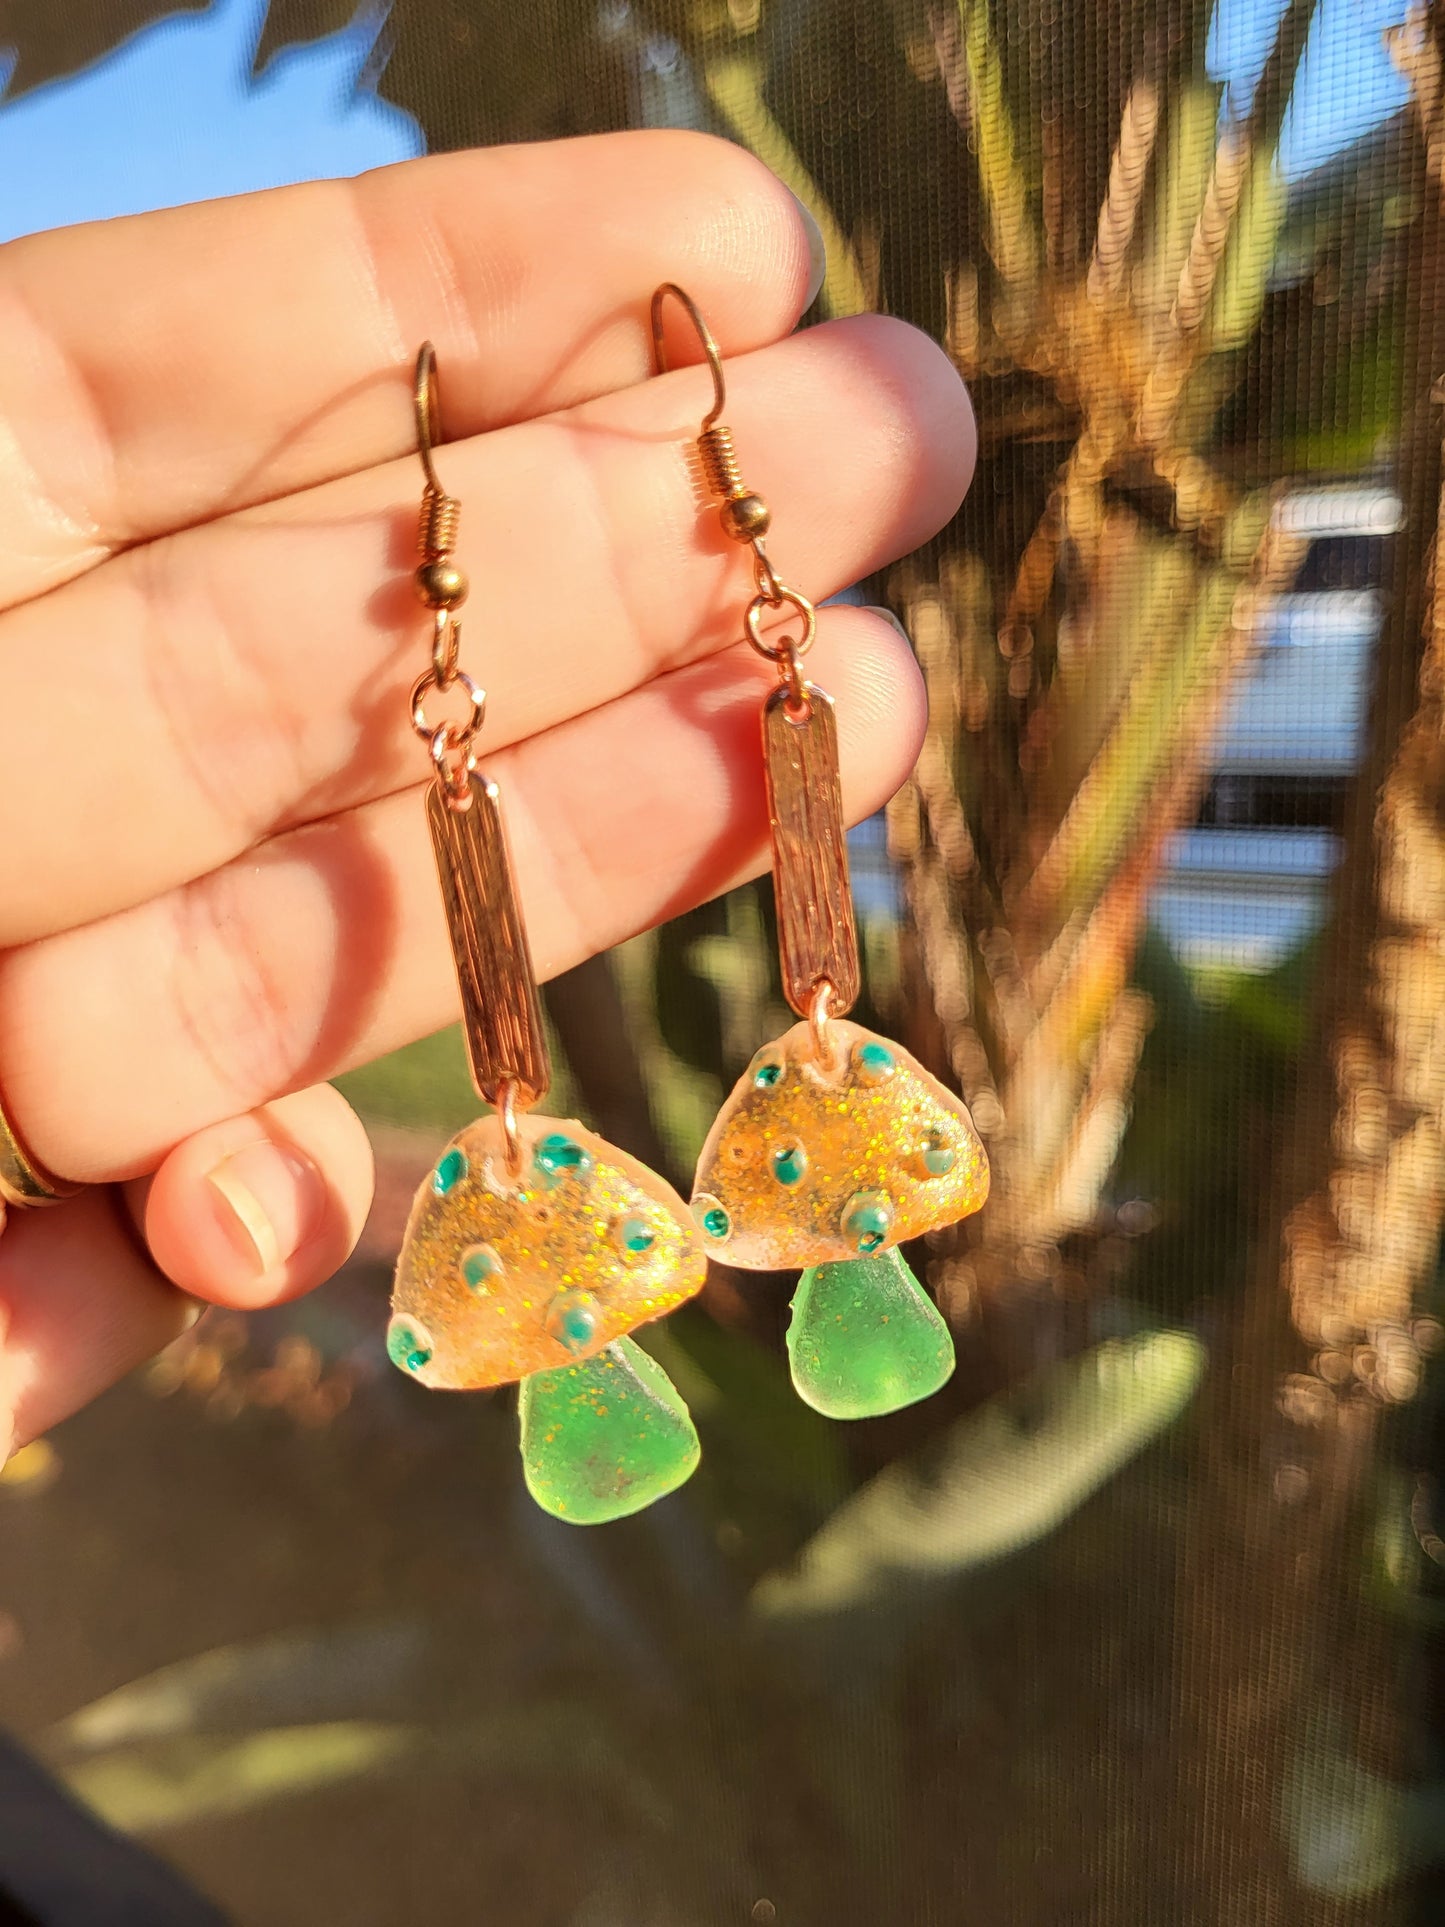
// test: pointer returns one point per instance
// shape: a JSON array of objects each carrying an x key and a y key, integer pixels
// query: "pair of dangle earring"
[
  {"x": 836, "y": 1145},
  {"x": 533, "y": 1247}
]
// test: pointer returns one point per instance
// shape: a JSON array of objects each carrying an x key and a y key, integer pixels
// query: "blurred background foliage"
[{"x": 1140, "y": 1620}]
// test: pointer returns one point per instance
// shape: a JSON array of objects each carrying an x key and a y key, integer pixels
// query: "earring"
[
  {"x": 836, "y": 1144},
  {"x": 533, "y": 1247}
]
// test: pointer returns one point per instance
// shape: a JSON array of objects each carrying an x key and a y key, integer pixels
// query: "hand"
[{"x": 216, "y": 886}]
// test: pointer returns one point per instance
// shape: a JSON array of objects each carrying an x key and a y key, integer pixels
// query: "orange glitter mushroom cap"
[
  {"x": 809, "y": 1163},
  {"x": 502, "y": 1274}
]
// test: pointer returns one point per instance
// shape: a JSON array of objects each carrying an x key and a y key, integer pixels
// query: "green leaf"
[
  {"x": 734, "y": 86},
  {"x": 998, "y": 1480},
  {"x": 182, "y": 1779},
  {"x": 426, "y": 1086},
  {"x": 1352, "y": 1832}
]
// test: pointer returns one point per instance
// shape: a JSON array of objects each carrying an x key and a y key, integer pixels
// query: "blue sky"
[
  {"x": 175, "y": 114},
  {"x": 1346, "y": 83}
]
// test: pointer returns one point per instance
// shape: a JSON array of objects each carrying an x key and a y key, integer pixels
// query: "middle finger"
[{"x": 168, "y": 711}]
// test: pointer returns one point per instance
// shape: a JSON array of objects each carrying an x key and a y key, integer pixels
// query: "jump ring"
[
  {"x": 797, "y": 708},
  {"x": 778, "y": 651},
  {"x": 818, "y": 1002},
  {"x": 506, "y": 1105},
  {"x": 447, "y": 741},
  {"x": 428, "y": 681},
  {"x": 446, "y": 647}
]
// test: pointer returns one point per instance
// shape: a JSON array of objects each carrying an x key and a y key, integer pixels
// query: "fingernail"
[
  {"x": 877, "y": 609},
  {"x": 817, "y": 253},
  {"x": 268, "y": 1199}
]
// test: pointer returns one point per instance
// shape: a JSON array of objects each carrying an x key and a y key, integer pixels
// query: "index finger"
[{"x": 159, "y": 370}]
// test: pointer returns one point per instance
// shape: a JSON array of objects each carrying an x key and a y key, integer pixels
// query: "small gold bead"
[
  {"x": 744, "y": 516},
  {"x": 441, "y": 584}
]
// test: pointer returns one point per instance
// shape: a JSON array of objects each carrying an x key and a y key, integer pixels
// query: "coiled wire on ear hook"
[
  {"x": 440, "y": 512},
  {"x": 440, "y": 584},
  {"x": 744, "y": 514}
]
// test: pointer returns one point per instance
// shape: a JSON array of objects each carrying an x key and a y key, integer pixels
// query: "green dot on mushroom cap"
[
  {"x": 768, "y": 1074},
  {"x": 636, "y": 1236},
  {"x": 875, "y": 1062},
  {"x": 938, "y": 1158},
  {"x": 712, "y": 1216},
  {"x": 451, "y": 1169},
  {"x": 867, "y": 1220},
  {"x": 558, "y": 1156},
  {"x": 790, "y": 1163},
  {"x": 407, "y": 1345},
  {"x": 572, "y": 1319},
  {"x": 479, "y": 1266}
]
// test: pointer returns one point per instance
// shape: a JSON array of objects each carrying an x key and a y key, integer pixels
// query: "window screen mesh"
[{"x": 1139, "y": 1621}]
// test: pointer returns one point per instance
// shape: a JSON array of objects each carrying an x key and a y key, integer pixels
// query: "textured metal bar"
[
  {"x": 816, "y": 933},
  {"x": 501, "y": 1015}
]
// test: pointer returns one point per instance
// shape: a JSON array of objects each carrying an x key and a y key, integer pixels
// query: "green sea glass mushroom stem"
[
  {"x": 865, "y": 1338},
  {"x": 606, "y": 1437}
]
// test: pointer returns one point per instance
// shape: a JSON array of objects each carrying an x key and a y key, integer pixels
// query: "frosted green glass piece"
[
  {"x": 605, "y": 1437},
  {"x": 866, "y": 1338}
]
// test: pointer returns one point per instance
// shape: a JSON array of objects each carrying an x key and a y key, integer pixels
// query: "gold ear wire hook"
[
  {"x": 440, "y": 584},
  {"x": 704, "y": 335},
  {"x": 424, "y": 397},
  {"x": 745, "y": 516}
]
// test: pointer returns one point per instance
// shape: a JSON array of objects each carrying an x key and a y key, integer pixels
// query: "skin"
[{"x": 216, "y": 887}]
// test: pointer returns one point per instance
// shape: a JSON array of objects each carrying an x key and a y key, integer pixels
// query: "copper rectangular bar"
[
  {"x": 501, "y": 1014},
  {"x": 816, "y": 933}
]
